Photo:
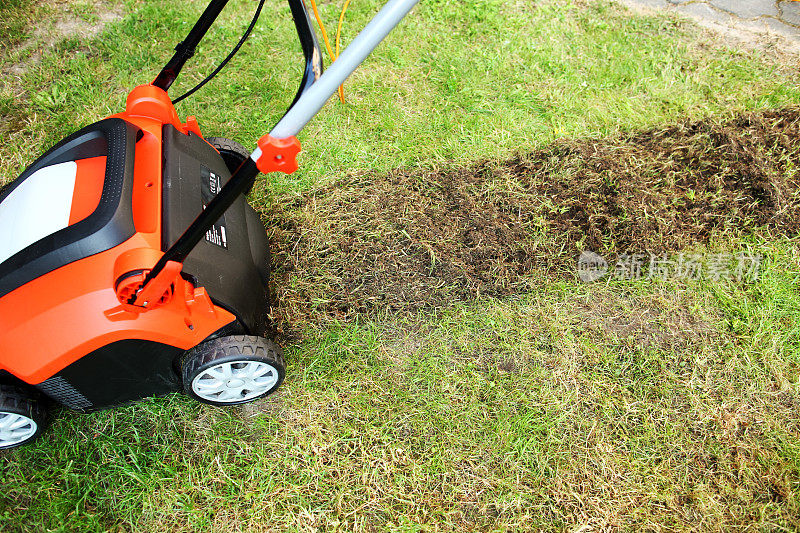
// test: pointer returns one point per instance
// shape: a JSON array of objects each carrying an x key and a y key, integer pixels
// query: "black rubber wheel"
[
  {"x": 23, "y": 415},
  {"x": 232, "y": 152},
  {"x": 232, "y": 370}
]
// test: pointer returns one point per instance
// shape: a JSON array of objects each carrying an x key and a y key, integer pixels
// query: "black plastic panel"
[
  {"x": 116, "y": 374},
  {"x": 234, "y": 272}
]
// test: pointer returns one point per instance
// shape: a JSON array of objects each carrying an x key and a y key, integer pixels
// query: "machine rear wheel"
[
  {"x": 22, "y": 416},
  {"x": 232, "y": 370},
  {"x": 232, "y": 152}
]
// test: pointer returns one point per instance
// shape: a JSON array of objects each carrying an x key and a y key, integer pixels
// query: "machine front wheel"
[
  {"x": 232, "y": 370},
  {"x": 22, "y": 416}
]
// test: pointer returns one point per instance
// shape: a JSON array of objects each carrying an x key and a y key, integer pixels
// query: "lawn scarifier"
[{"x": 104, "y": 248}]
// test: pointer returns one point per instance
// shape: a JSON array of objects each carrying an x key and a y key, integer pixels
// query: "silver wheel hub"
[
  {"x": 15, "y": 429},
  {"x": 235, "y": 381}
]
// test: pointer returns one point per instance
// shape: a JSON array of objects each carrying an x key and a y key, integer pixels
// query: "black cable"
[{"x": 224, "y": 61}]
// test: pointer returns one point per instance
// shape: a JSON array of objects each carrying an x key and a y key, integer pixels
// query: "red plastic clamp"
[{"x": 278, "y": 155}]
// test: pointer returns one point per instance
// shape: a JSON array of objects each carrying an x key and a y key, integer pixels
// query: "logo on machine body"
[{"x": 211, "y": 185}]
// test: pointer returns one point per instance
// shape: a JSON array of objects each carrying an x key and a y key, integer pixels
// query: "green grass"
[
  {"x": 456, "y": 82},
  {"x": 534, "y": 413},
  {"x": 663, "y": 406},
  {"x": 15, "y": 20}
]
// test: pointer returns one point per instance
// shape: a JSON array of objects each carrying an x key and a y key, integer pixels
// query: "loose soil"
[{"x": 419, "y": 240}]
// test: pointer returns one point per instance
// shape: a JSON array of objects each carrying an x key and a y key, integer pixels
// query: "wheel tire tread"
[
  {"x": 23, "y": 401},
  {"x": 221, "y": 143},
  {"x": 224, "y": 347}
]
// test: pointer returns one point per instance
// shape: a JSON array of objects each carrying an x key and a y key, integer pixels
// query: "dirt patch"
[
  {"x": 78, "y": 27},
  {"x": 419, "y": 240},
  {"x": 64, "y": 25}
]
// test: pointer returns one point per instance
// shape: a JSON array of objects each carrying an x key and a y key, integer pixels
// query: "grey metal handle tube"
[{"x": 315, "y": 97}]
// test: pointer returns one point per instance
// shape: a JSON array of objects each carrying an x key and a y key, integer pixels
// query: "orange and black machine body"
[
  {"x": 118, "y": 194},
  {"x": 130, "y": 243}
]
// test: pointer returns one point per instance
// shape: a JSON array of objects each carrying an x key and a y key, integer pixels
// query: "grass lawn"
[{"x": 553, "y": 404}]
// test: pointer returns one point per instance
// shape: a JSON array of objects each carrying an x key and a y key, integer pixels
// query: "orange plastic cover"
[{"x": 56, "y": 319}]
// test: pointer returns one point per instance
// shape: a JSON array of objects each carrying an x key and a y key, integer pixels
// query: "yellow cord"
[
  {"x": 325, "y": 37},
  {"x": 338, "y": 43}
]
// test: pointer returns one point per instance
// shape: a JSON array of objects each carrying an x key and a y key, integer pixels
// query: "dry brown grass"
[
  {"x": 544, "y": 414},
  {"x": 418, "y": 240}
]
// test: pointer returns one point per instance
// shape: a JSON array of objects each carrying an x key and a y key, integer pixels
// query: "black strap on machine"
[
  {"x": 241, "y": 180},
  {"x": 310, "y": 46}
]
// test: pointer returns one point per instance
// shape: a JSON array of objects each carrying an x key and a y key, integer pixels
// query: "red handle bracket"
[{"x": 277, "y": 155}]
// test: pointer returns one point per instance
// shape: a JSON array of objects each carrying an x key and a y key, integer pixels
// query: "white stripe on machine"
[{"x": 38, "y": 207}]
